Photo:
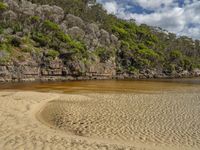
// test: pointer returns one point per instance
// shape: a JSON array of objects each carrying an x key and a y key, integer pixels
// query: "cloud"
[
  {"x": 111, "y": 7},
  {"x": 153, "y": 4},
  {"x": 178, "y": 16}
]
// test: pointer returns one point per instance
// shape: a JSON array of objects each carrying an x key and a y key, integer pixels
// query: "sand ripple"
[{"x": 172, "y": 119}]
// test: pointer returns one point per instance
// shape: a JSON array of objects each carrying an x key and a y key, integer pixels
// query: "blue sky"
[{"x": 178, "y": 16}]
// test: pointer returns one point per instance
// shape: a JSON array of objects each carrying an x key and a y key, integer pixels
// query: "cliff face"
[
  {"x": 41, "y": 42},
  {"x": 33, "y": 65}
]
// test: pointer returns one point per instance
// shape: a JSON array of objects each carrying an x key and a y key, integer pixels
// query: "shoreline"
[{"x": 85, "y": 78}]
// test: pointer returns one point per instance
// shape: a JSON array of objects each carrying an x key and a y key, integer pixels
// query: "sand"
[{"x": 53, "y": 121}]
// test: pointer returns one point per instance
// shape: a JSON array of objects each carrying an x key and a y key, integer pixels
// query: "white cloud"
[
  {"x": 153, "y": 4},
  {"x": 172, "y": 20},
  {"x": 166, "y": 14},
  {"x": 111, "y": 7}
]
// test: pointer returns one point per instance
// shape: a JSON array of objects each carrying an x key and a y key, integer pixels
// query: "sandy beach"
[{"x": 133, "y": 121}]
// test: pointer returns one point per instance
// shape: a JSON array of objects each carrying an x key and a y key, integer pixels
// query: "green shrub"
[
  {"x": 150, "y": 43},
  {"x": 35, "y": 19},
  {"x": 6, "y": 47},
  {"x": 3, "y": 6},
  {"x": 63, "y": 37},
  {"x": 133, "y": 70},
  {"x": 52, "y": 53},
  {"x": 176, "y": 54},
  {"x": 188, "y": 64},
  {"x": 77, "y": 46},
  {"x": 49, "y": 25},
  {"x": 120, "y": 31},
  {"x": 40, "y": 38},
  {"x": 148, "y": 53},
  {"x": 125, "y": 45},
  {"x": 17, "y": 27},
  {"x": 104, "y": 54}
]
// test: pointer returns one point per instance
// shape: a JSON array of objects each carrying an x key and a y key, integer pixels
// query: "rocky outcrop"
[{"x": 55, "y": 70}]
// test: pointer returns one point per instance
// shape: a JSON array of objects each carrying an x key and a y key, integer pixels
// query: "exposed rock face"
[
  {"x": 31, "y": 71},
  {"x": 76, "y": 33},
  {"x": 71, "y": 21}
]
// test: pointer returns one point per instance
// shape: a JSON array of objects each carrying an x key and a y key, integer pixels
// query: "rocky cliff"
[{"x": 30, "y": 65}]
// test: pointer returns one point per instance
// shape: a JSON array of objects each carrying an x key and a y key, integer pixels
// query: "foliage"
[
  {"x": 175, "y": 54},
  {"x": 3, "y": 6},
  {"x": 104, "y": 54},
  {"x": 35, "y": 19},
  {"x": 49, "y": 25},
  {"x": 52, "y": 53},
  {"x": 1, "y": 29},
  {"x": 41, "y": 38},
  {"x": 62, "y": 36},
  {"x": 16, "y": 41}
]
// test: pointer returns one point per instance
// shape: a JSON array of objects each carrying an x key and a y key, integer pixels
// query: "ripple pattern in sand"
[{"x": 172, "y": 119}]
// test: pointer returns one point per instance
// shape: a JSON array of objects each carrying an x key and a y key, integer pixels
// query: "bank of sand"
[{"x": 50, "y": 121}]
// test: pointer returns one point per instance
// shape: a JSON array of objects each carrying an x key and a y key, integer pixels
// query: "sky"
[{"x": 177, "y": 16}]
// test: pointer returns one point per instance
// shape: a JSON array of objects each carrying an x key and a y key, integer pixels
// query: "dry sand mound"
[{"x": 166, "y": 121}]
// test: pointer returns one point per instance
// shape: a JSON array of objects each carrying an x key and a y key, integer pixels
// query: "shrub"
[
  {"x": 16, "y": 41},
  {"x": 17, "y": 27},
  {"x": 40, "y": 38},
  {"x": 3, "y": 6},
  {"x": 120, "y": 31},
  {"x": 63, "y": 37},
  {"x": 169, "y": 68},
  {"x": 49, "y": 25},
  {"x": 6, "y": 47},
  {"x": 175, "y": 54},
  {"x": 148, "y": 53},
  {"x": 125, "y": 45},
  {"x": 76, "y": 45},
  {"x": 188, "y": 65},
  {"x": 133, "y": 70},
  {"x": 104, "y": 54},
  {"x": 35, "y": 19},
  {"x": 52, "y": 53},
  {"x": 1, "y": 30}
]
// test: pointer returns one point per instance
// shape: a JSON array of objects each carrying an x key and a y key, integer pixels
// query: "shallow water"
[{"x": 98, "y": 86}]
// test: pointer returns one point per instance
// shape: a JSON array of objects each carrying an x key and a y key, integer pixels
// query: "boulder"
[
  {"x": 9, "y": 15},
  {"x": 196, "y": 72},
  {"x": 72, "y": 21},
  {"x": 27, "y": 8},
  {"x": 93, "y": 30},
  {"x": 12, "y": 4},
  {"x": 105, "y": 37},
  {"x": 53, "y": 13},
  {"x": 3, "y": 71},
  {"x": 76, "y": 33},
  {"x": 55, "y": 64}
]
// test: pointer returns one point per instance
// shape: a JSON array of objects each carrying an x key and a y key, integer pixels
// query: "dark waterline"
[{"x": 108, "y": 85}]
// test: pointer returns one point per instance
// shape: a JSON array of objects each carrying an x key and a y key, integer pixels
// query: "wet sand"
[{"x": 135, "y": 121}]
